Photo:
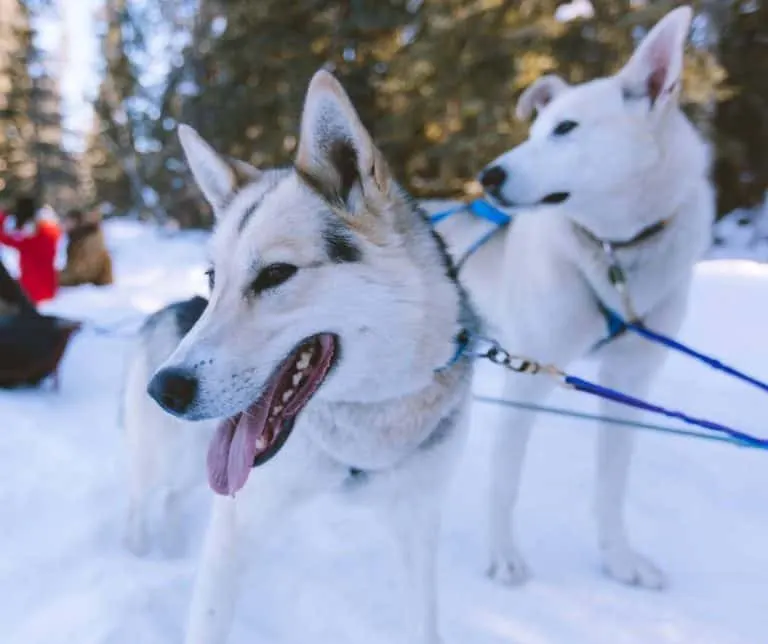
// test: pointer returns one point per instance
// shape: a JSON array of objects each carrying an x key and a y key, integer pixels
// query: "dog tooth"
[
  {"x": 287, "y": 395},
  {"x": 277, "y": 409},
  {"x": 296, "y": 378},
  {"x": 261, "y": 442},
  {"x": 303, "y": 362}
]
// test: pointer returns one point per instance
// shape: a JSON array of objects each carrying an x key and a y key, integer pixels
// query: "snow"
[
  {"x": 330, "y": 574},
  {"x": 743, "y": 234}
]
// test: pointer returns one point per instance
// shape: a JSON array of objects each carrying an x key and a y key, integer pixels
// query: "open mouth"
[
  {"x": 255, "y": 435},
  {"x": 555, "y": 198},
  {"x": 551, "y": 199}
]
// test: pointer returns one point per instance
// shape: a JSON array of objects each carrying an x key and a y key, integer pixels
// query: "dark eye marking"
[
  {"x": 272, "y": 276},
  {"x": 339, "y": 245},
  {"x": 211, "y": 275},
  {"x": 563, "y": 127}
]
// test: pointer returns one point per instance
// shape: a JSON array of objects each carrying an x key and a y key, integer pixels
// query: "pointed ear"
[
  {"x": 335, "y": 150},
  {"x": 217, "y": 178},
  {"x": 656, "y": 66},
  {"x": 539, "y": 95}
]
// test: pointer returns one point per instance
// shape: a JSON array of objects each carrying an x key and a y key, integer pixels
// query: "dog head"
[
  {"x": 323, "y": 284},
  {"x": 598, "y": 146}
]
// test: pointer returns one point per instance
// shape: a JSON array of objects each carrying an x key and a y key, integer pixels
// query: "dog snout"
[
  {"x": 174, "y": 390},
  {"x": 493, "y": 178}
]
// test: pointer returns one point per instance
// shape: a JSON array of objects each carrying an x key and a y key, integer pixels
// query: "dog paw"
[
  {"x": 509, "y": 571},
  {"x": 633, "y": 569}
]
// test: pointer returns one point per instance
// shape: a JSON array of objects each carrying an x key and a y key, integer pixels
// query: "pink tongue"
[{"x": 233, "y": 448}]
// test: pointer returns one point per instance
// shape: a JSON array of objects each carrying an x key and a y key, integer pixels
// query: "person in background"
[
  {"x": 34, "y": 233},
  {"x": 88, "y": 260}
]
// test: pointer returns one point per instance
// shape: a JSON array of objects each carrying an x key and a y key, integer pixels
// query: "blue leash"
[
  {"x": 579, "y": 384},
  {"x": 670, "y": 343},
  {"x": 480, "y": 347}
]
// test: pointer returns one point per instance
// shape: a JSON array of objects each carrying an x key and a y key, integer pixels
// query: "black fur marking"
[
  {"x": 254, "y": 206},
  {"x": 468, "y": 318},
  {"x": 343, "y": 156},
  {"x": 450, "y": 267},
  {"x": 247, "y": 215},
  {"x": 339, "y": 244},
  {"x": 316, "y": 185},
  {"x": 187, "y": 313}
]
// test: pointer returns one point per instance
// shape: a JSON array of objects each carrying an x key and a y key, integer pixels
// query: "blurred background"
[{"x": 91, "y": 91}]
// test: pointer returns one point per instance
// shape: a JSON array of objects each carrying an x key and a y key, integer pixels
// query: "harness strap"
[
  {"x": 618, "y": 279},
  {"x": 615, "y": 324},
  {"x": 482, "y": 210}
]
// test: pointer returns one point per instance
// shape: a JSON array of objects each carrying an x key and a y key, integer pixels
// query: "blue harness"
[{"x": 481, "y": 209}]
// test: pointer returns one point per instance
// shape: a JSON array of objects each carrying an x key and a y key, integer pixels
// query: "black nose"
[
  {"x": 492, "y": 178},
  {"x": 173, "y": 389}
]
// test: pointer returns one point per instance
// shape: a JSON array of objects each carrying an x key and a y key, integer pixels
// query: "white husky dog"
[
  {"x": 329, "y": 345},
  {"x": 611, "y": 165}
]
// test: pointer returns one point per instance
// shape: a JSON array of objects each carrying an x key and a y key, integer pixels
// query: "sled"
[{"x": 31, "y": 345}]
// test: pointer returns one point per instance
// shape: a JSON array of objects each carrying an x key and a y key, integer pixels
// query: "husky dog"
[
  {"x": 330, "y": 348},
  {"x": 165, "y": 456},
  {"x": 611, "y": 166}
]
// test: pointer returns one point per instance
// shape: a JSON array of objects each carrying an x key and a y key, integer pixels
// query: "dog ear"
[
  {"x": 335, "y": 151},
  {"x": 656, "y": 66},
  {"x": 217, "y": 178},
  {"x": 538, "y": 95}
]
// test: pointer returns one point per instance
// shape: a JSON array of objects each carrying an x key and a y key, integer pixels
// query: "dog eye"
[
  {"x": 211, "y": 275},
  {"x": 564, "y": 127},
  {"x": 272, "y": 276}
]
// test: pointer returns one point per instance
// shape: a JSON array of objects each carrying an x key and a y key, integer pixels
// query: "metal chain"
[
  {"x": 491, "y": 350},
  {"x": 618, "y": 279}
]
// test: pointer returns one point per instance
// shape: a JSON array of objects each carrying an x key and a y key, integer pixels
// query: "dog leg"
[
  {"x": 628, "y": 364},
  {"x": 172, "y": 537},
  {"x": 416, "y": 525},
  {"x": 298, "y": 473},
  {"x": 511, "y": 441},
  {"x": 213, "y": 601},
  {"x": 620, "y": 560},
  {"x": 409, "y": 500},
  {"x": 142, "y": 493}
]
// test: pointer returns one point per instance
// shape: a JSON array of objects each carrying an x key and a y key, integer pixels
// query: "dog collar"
[{"x": 644, "y": 235}]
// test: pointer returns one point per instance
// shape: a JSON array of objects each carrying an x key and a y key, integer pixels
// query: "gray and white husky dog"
[
  {"x": 329, "y": 348},
  {"x": 610, "y": 166},
  {"x": 165, "y": 456}
]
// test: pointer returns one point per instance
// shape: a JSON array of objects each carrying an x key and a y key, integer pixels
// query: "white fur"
[
  {"x": 383, "y": 410},
  {"x": 630, "y": 162}
]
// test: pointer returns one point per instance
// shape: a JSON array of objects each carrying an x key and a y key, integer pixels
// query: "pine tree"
[
  {"x": 31, "y": 148},
  {"x": 17, "y": 166},
  {"x": 116, "y": 166}
]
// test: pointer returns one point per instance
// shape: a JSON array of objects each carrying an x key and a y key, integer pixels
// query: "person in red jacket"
[{"x": 35, "y": 234}]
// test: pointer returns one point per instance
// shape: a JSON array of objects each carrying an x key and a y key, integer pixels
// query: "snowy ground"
[{"x": 331, "y": 574}]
